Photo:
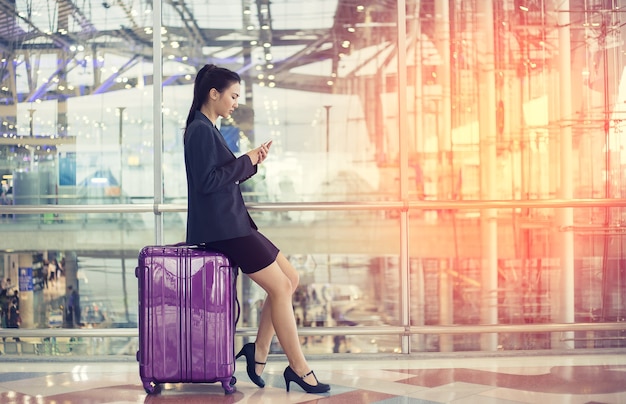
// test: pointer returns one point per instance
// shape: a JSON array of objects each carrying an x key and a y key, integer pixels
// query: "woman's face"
[{"x": 227, "y": 100}]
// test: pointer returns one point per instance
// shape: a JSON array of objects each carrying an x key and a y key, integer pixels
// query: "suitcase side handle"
[
  {"x": 238, "y": 310},
  {"x": 235, "y": 275}
]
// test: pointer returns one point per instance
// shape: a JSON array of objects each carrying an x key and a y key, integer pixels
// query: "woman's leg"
[
  {"x": 279, "y": 289},
  {"x": 266, "y": 332}
]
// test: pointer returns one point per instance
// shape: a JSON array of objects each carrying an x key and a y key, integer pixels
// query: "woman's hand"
[{"x": 258, "y": 155}]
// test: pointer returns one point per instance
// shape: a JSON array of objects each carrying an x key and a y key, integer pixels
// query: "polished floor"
[{"x": 581, "y": 378}]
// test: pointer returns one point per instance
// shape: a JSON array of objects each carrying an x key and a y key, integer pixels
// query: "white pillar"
[
  {"x": 554, "y": 114},
  {"x": 442, "y": 42},
  {"x": 488, "y": 170},
  {"x": 564, "y": 313},
  {"x": 157, "y": 117},
  {"x": 444, "y": 124},
  {"x": 403, "y": 140},
  {"x": 71, "y": 279},
  {"x": 446, "y": 305},
  {"x": 24, "y": 274}
]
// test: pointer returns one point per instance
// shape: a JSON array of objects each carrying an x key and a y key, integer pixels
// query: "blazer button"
[{"x": 237, "y": 182}]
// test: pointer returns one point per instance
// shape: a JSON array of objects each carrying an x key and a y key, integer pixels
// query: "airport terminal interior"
[{"x": 445, "y": 176}]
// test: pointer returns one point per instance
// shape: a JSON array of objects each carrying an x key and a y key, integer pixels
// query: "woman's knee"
[
  {"x": 295, "y": 280},
  {"x": 275, "y": 282},
  {"x": 289, "y": 271},
  {"x": 283, "y": 287}
]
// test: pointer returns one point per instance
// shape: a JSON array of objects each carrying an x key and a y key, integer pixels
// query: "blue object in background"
[
  {"x": 231, "y": 135},
  {"x": 67, "y": 168},
  {"x": 26, "y": 279}
]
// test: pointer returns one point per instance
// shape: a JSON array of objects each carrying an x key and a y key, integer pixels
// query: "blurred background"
[{"x": 436, "y": 166}]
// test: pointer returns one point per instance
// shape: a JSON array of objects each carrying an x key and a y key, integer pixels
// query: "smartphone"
[{"x": 268, "y": 143}]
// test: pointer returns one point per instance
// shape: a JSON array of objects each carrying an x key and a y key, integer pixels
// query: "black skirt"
[{"x": 250, "y": 253}]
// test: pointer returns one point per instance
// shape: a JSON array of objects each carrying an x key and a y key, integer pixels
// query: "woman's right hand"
[{"x": 258, "y": 155}]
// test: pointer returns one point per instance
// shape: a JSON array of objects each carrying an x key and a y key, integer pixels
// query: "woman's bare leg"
[
  {"x": 279, "y": 289},
  {"x": 266, "y": 332}
]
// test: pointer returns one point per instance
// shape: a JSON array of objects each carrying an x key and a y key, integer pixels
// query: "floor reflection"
[{"x": 430, "y": 378}]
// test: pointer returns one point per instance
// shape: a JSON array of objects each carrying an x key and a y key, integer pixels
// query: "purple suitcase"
[{"x": 187, "y": 317}]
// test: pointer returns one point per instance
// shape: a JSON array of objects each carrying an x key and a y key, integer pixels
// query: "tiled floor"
[{"x": 433, "y": 378}]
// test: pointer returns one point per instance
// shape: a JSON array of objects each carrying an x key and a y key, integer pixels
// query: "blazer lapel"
[
  {"x": 223, "y": 141},
  {"x": 216, "y": 132}
]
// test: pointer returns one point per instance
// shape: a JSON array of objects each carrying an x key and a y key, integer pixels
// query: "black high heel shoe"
[
  {"x": 291, "y": 376},
  {"x": 248, "y": 351}
]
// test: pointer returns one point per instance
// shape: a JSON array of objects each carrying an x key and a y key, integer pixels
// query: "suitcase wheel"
[
  {"x": 228, "y": 387},
  {"x": 233, "y": 380},
  {"x": 151, "y": 387}
]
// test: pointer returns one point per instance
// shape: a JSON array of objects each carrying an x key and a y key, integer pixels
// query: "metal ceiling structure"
[
  {"x": 57, "y": 49},
  {"x": 84, "y": 34}
]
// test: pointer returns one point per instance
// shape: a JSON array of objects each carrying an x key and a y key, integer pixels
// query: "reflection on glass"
[{"x": 322, "y": 80}]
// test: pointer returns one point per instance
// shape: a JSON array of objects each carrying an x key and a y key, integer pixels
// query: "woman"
[{"x": 218, "y": 219}]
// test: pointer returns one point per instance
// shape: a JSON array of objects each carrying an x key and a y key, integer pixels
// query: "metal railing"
[
  {"x": 323, "y": 331},
  {"x": 403, "y": 206},
  {"x": 327, "y": 206}
]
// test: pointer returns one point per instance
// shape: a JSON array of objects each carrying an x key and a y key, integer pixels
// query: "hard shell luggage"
[{"x": 187, "y": 317}]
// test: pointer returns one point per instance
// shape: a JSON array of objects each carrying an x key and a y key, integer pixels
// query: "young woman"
[{"x": 217, "y": 218}]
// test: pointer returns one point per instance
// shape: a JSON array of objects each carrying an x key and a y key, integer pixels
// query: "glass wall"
[{"x": 437, "y": 167}]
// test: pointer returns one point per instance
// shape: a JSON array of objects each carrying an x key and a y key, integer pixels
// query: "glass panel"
[
  {"x": 175, "y": 227},
  {"x": 449, "y": 271},
  {"x": 329, "y": 144},
  {"x": 40, "y": 286},
  {"x": 76, "y": 112},
  {"x": 346, "y": 279},
  {"x": 75, "y": 231},
  {"x": 321, "y": 79},
  {"x": 320, "y": 110},
  {"x": 72, "y": 346}
]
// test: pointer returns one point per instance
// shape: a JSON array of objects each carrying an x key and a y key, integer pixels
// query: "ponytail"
[{"x": 208, "y": 77}]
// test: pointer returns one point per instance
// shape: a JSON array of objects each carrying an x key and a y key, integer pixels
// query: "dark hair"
[{"x": 210, "y": 76}]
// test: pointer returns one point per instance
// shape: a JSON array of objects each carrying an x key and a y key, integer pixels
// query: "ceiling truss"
[{"x": 20, "y": 35}]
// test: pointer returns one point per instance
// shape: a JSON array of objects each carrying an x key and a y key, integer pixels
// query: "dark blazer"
[{"x": 216, "y": 210}]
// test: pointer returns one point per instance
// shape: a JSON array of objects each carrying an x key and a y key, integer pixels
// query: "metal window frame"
[{"x": 402, "y": 205}]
